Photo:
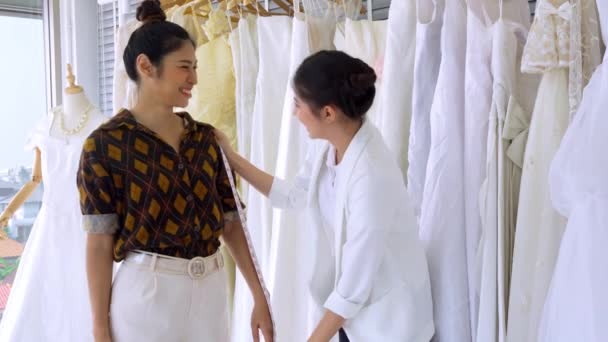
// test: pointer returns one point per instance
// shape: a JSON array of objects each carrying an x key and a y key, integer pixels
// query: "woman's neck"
[
  {"x": 152, "y": 114},
  {"x": 343, "y": 137}
]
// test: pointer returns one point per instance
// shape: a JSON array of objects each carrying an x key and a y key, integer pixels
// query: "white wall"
[{"x": 79, "y": 43}]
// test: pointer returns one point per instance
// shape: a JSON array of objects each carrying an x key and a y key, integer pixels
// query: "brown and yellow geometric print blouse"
[{"x": 150, "y": 197}]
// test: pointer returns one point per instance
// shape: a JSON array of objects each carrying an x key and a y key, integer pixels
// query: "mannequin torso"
[
  {"x": 71, "y": 122},
  {"x": 76, "y": 118}
]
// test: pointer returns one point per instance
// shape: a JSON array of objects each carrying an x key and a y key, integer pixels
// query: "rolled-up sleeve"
[
  {"x": 294, "y": 194},
  {"x": 288, "y": 195},
  {"x": 97, "y": 192},
  {"x": 369, "y": 218}
]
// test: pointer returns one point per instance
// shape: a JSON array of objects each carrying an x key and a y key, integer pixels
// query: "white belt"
[{"x": 196, "y": 268}]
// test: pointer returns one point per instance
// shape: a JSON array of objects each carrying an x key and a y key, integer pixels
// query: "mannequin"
[
  {"x": 53, "y": 259},
  {"x": 77, "y": 114}
]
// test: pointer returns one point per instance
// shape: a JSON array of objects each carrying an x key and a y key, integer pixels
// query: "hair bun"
[
  {"x": 363, "y": 81},
  {"x": 150, "y": 11}
]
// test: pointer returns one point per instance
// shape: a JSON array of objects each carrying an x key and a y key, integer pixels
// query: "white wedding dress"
[
  {"x": 288, "y": 256},
  {"x": 429, "y": 16},
  {"x": 397, "y": 80},
  {"x": 477, "y": 104},
  {"x": 513, "y": 96},
  {"x": 539, "y": 225},
  {"x": 274, "y": 33},
  {"x": 442, "y": 224},
  {"x": 576, "y": 308},
  {"x": 366, "y": 40},
  {"x": 49, "y": 300}
]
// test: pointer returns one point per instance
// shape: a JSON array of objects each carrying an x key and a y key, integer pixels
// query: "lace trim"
[
  {"x": 548, "y": 45},
  {"x": 565, "y": 36},
  {"x": 585, "y": 53}
]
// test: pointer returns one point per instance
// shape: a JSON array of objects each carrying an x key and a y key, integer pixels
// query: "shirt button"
[
  {"x": 180, "y": 166},
  {"x": 189, "y": 198}
]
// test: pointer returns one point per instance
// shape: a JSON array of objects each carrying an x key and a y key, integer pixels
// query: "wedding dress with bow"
[
  {"x": 555, "y": 45},
  {"x": 576, "y": 308}
]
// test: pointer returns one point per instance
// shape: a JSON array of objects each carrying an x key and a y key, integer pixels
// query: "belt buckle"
[
  {"x": 196, "y": 267},
  {"x": 220, "y": 262}
]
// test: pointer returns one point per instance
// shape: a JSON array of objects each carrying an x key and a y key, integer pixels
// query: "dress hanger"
[
  {"x": 283, "y": 6},
  {"x": 166, "y": 4},
  {"x": 259, "y": 10},
  {"x": 198, "y": 8}
]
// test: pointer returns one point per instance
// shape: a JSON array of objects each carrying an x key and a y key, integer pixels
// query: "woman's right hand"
[
  {"x": 102, "y": 335},
  {"x": 224, "y": 142}
]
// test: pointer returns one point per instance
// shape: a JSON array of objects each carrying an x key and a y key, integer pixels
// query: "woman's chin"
[{"x": 181, "y": 103}]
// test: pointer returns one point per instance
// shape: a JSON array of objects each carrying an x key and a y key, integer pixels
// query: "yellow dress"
[
  {"x": 213, "y": 98},
  {"x": 189, "y": 22}
]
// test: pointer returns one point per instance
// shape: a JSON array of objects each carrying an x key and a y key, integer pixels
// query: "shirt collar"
[
  {"x": 330, "y": 162},
  {"x": 125, "y": 119}
]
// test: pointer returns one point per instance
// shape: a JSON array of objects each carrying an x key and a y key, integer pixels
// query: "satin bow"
[{"x": 545, "y": 9}]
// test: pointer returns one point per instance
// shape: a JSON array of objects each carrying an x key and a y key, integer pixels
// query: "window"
[
  {"x": 23, "y": 94},
  {"x": 108, "y": 14},
  {"x": 107, "y": 24}
]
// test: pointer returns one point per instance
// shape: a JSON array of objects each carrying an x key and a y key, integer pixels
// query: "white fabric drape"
[
  {"x": 397, "y": 80},
  {"x": 274, "y": 33},
  {"x": 288, "y": 257},
  {"x": 442, "y": 224},
  {"x": 244, "y": 43},
  {"x": 576, "y": 305},
  {"x": 366, "y": 40},
  {"x": 426, "y": 69},
  {"x": 478, "y": 100}
]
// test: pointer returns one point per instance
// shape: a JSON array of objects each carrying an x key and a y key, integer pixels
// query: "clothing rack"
[
  {"x": 275, "y": 7},
  {"x": 532, "y": 4}
]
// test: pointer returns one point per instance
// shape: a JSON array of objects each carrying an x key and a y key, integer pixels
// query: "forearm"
[
  {"x": 327, "y": 328},
  {"x": 21, "y": 197},
  {"x": 235, "y": 240},
  {"x": 259, "y": 179},
  {"x": 99, "y": 274}
]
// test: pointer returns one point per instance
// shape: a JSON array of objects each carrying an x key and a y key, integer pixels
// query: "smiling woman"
[{"x": 155, "y": 194}]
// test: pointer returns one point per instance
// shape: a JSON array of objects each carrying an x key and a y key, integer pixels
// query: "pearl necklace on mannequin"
[{"x": 82, "y": 121}]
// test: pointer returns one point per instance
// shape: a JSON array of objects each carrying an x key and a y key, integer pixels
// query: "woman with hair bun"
[
  {"x": 369, "y": 278},
  {"x": 155, "y": 194}
]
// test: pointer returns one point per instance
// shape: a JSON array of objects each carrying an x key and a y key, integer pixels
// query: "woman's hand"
[
  {"x": 261, "y": 320},
  {"x": 102, "y": 333},
  {"x": 224, "y": 142},
  {"x": 328, "y": 327}
]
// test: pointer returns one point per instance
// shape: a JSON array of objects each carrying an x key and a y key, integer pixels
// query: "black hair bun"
[
  {"x": 361, "y": 83},
  {"x": 150, "y": 11},
  {"x": 335, "y": 78}
]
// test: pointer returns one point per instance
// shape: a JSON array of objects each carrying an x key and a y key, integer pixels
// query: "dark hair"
[
  {"x": 335, "y": 78},
  {"x": 155, "y": 38}
]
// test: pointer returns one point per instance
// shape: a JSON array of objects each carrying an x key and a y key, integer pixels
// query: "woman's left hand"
[
  {"x": 261, "y": 320},
  {"x": 327, "y": 328}
]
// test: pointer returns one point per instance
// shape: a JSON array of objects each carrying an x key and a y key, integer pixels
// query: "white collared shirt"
[{"x": 327, "y": 193}]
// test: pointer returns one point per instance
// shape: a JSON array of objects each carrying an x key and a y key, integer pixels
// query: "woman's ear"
[
  {"x": 329, "y": 113},
  {"x": 144, "y": 66}
]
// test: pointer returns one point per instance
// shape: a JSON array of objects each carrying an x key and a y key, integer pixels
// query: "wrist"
[
  {"x": 101, "y": 332},
  {"x": 259, "y": 298},
  {"x": 101, "y": 324}
]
